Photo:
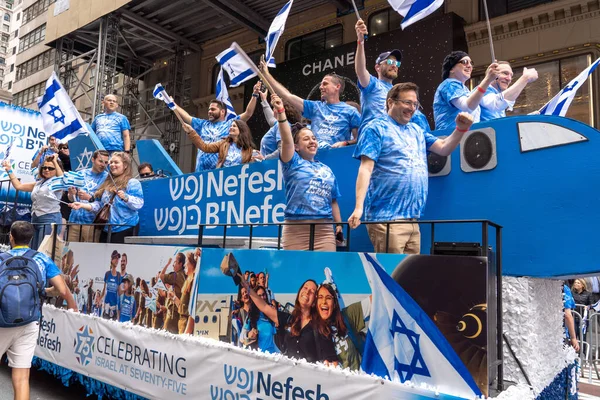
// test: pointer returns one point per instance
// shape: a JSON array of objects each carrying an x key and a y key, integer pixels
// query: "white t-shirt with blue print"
[
  {"x": 373, "y": 103},
  {"x": 92, "y": 181},
  {"x": 109, "y": 129},
  {"x": 210, "y": 132},
  {"x": 268, "y": 143},
  {"x": 122, "y": 213},
  {"x": 398, "y": 186},
  {"x": 443, "y": 111},
  {"x": 494, "y": 105},
  {"x": 234, "y": 156},
  {"x": 331, "y": 123},
  {"x": 310, "y": 187}
]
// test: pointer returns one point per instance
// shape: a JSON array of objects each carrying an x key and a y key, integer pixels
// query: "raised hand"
[
  {"x": 464, "y": 121},
  {"x": 361, "y": 29}
]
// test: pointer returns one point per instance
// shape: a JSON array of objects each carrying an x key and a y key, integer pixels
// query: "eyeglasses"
[
  {"x": 467, "y": 62},
  {"x": 392, "y": 62},
  {"x": 408, "y": 103},
  {"x": 146, "y": 174},
  {"x": 48, "y": 169}
]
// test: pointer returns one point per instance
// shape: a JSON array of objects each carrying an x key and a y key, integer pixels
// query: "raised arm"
[
  {"x": 199, "y": 143},
  {"x": 529, "y": 75},
  {"x": 445, "y": 146},
  {"x": 263, "y": 306},
  {"x": 25, "y": 187},
  {"x": 280, "y": 90},
  {"x": 287, "y": 142},
  {"x": 245, "y": 116},
  {"x": 187, "y": 118},
  {"x": 59, "y": 171},
  {"x": 360, "y": 60},
  {"x": 38, "y": 157},
  {"x": 362, "y": 184},
  {"x": 472, "y": 101},
  {"x": 267, "y": 110}
]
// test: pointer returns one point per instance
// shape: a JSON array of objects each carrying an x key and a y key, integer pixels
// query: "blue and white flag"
[
  {"x": 161, "y": 94},
  {"x": 69, "y": 179},
  {"x": 236, "y": 66},
  {"x": 59, "y": 115},
  {"x": 275, "y": 31},
  {"x": 5, "y": 154},
  {"x": 414, "y": 10},
  {"x": 223, "y": 95},
  {"x": 560, "y": 103},
  {"x": 404, "y": 344}
]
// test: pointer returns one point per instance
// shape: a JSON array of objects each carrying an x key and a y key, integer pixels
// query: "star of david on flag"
[
  {"x": 59, "y": 115},
  {"x": 561, "y": 102},
  {"x": 236, "y": 66},
  {"x": 404, "y": 344},
  {"x": 223, "y": 95}
]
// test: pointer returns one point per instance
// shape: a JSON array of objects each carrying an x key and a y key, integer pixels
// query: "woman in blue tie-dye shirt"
[
  {"x": 311, "y": 189},
  {"x": 126, "y": 196}
]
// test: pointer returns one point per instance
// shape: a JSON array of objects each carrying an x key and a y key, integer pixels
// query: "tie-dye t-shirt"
[
  {"x": 234, "y": 156},
  {"x": 331, "y": 123},
  {"x": 443, "y": 111},
  {"x": 494, "y": 105},
  {"x": 398, "y": 186},
  {"x": 109, "y": 129},
  {"x": 310, "y": 187},
  {"x": 210, "y": 132}
]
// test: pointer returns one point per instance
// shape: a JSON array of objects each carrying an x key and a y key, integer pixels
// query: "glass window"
[
  {"x": 384, "y": 21},
  {"x": 314, "y": 42},
  {"x": 497, "y": 8},
  {"x": 7, "y": 17}
]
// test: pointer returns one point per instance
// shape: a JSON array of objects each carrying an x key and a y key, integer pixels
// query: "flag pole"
[
  {"x": 252, "y": 66},
  {"x": 357, "y": 15},
  {"x": 489, "y": 29}
]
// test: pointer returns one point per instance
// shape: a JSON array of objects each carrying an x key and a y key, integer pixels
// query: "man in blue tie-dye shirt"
[
  {"x": 393, "y": 167},
  {"x": 111, "y": 127}
]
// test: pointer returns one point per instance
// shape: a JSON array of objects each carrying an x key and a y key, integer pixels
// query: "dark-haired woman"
[
  {"x": 271, "y": 141},
  {"x": 259, "y": 330},
  {"x": 236, "y": 149},
  {"x": 126, "y": 196},
  {"x": 328, "y": 309},
  {"x": 452, "y": 96},
  {"x": 304, "y": 335},
  {"x": 311, "y": 189},
  {"x": 45, "y": 205}
]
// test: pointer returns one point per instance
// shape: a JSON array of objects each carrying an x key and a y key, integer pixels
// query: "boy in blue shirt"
[
  {"x": 334, "y": 123},
  {"x": 393, "y": 172},
  {"x": 111, "y": 127}
]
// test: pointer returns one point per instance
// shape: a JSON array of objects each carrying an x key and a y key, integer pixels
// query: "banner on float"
[
  {"x": 22, "y": 130},
  {"x": 161, "y": 366},
  {"x": 451, "y": 290}
]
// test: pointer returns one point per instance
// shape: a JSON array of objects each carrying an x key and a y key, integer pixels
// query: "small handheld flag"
[
  {"x": 160, "y": 93},
  {"x": 236, "y": 65},
  {"x": 275, "y": 31},
  {"x": 223, "y": 95}
]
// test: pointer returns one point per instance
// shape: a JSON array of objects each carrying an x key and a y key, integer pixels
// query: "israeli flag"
[
  {"x": 560, "y": 103},
  {"x": 151, "y": 303},
  {"x": 404, "y": 344},
  {"x": 69, "y": 179},
  {"x": 414, "y": 10},
  {"x": 275, "y": 31},
  {"x": 5, "y": 154},
  {"x": 160, "y": 285},
  {"x": 236, "y": 66},
  {"x": 223, "y": 95},
  {"x": 57, "y": 183},
  {"x": 160, "y": 93},
  {"x": 59, "y": 115}
]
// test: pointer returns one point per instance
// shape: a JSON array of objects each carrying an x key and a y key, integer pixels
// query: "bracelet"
[
  {"x": 345, "y": 143},
  {"x": 360, "y": 41},
  {"x": 281, "y": 121},
  {"x": 280, "y": 111},
  {"x": 461, "y": 131},
  {"x": 480, "y": 89},
  {"x": 255, "y": 95},
  {"x": 10, "y": 171}
]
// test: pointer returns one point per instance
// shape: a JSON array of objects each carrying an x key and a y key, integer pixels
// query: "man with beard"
[
  {"x": 373, "y": 91},
  {"x": 499, "y": 97},
  {"x": 334, "y": 123},
  {"x": 215, "y": 128}
]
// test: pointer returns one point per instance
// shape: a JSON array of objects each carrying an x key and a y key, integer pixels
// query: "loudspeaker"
[
  {"x": 439, "y": 165},
  {"x": 478, "y": 150}
]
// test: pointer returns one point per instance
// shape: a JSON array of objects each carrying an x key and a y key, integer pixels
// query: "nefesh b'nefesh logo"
[{"x": 84, "y": 345}]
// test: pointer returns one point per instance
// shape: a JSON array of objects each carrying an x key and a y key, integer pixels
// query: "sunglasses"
[
  {"x": 467, "y": 62},
  {"x": 48, "y": 169},
  {"x": 146, "y": 175},
  {"x": 392, "y": 62}
]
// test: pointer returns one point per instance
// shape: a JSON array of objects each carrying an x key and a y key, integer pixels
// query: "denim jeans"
[{"x": 43, "y": 230}]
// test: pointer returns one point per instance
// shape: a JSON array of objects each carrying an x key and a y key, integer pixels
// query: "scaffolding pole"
[
  {"x": 172, "y": 133},
  {"x": 108, "y": 46}
]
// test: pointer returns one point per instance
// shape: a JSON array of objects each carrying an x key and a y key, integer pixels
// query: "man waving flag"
[
  {"x": 275, "y": 31},
  {"x": 404, "y": 344},
  {"x": 59, "y": 115}
]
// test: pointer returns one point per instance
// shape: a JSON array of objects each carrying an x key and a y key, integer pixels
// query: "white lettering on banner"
[
  {"x": 322, "y": 66},
  {"x": 192, "y": 188},
  {"x": 158, "y": 365}
]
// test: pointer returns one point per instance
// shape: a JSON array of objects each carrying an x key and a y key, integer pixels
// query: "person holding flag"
[
  {"x": 452, "y": 96},
  {"x": 334, "y": 122},
  {"x": 111, "y": 127},
  {"x": 45, "y": 203},
  {"x": 44, "y": 152},
  {"x": 216, "y": 127},
  {"x": 373, "y": 91}
]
